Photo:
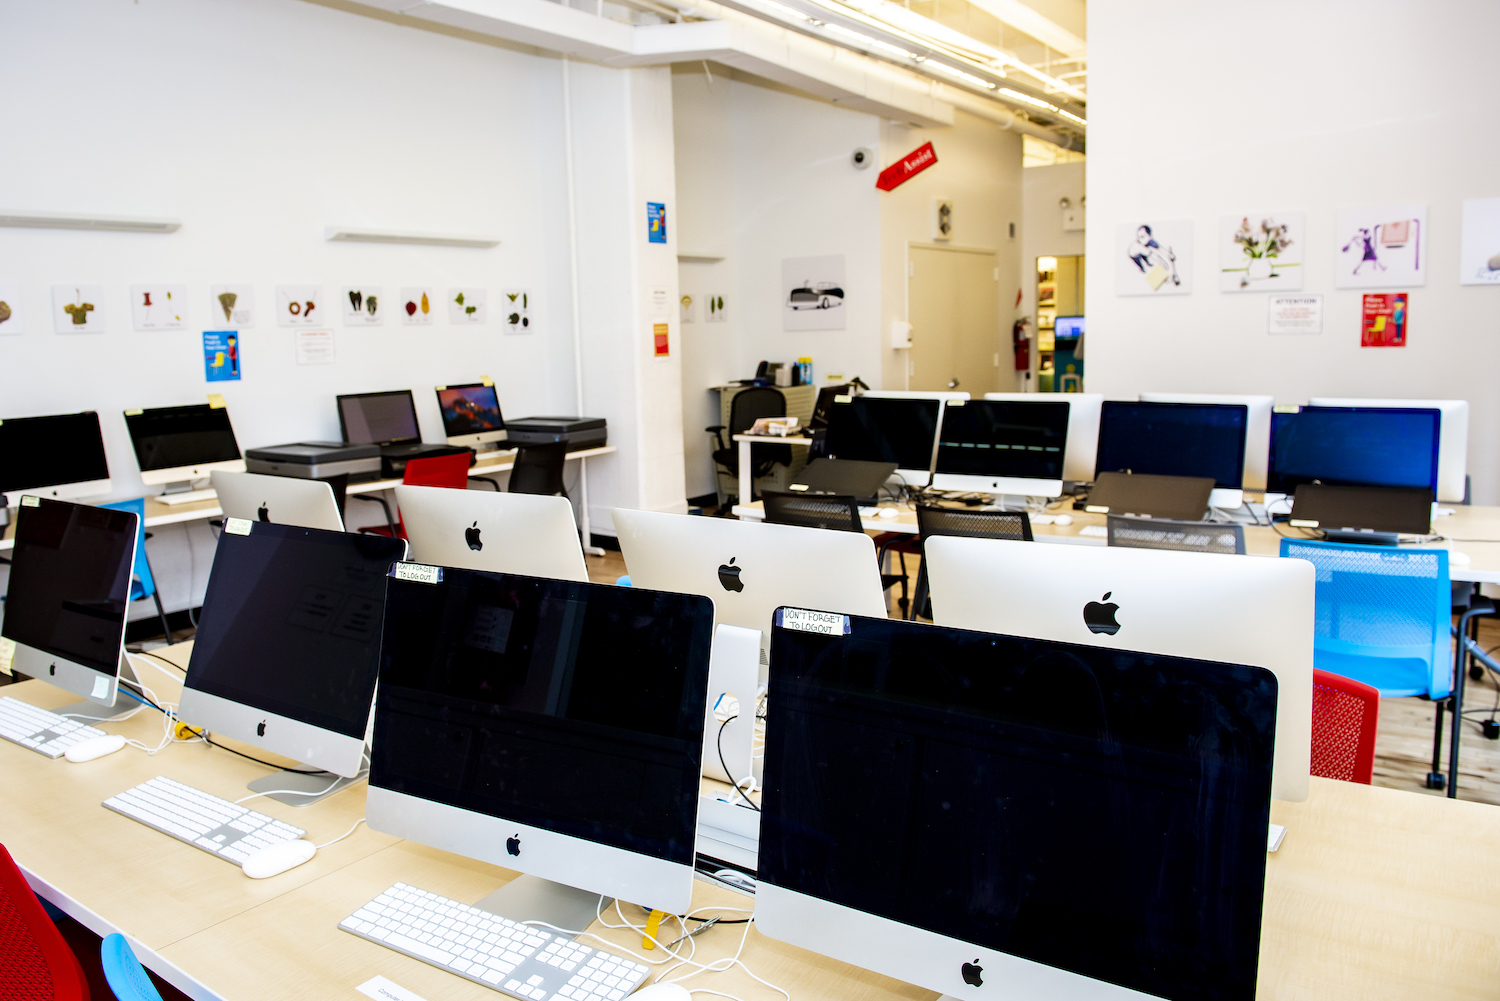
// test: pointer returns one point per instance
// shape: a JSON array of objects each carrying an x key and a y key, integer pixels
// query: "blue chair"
[
  {"x": 143, "y": 584},
  {"x": 123, "y": 971}
]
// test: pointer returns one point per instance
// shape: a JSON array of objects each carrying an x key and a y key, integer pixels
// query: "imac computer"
[
  {"x": 177, "y": 445},
  {"x": 1257, "y": 427},
  {"x": 1355, "y": 446},
  {"x": 886, "y": 429},
  {"x": 1177, "y": 439},
  {"x": 1083, "y": 429},
  {"x": 68, "y": 596},
  {"x": 471, "y": 415},
  {"x": 484, "y": 530},
  {"x": 288, "y": 647},
  {"x": 1002, "y": 447},
  {"x": 551, "y": 727},
  {"x": 60, "y": 457},
  {"x": 1238, "y": 609},
  {"x": 1453, "y": 437},
  {"x": 992, "y": 816},
  {"x": 283, "y": 500},
  {"x": 379, "y": 418}
]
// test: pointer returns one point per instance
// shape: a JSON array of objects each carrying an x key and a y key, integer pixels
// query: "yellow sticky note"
[
  {"x": 7, "y": 654},
  {"x": 486, "y": 380},
  {"x": 1157, "y": 277},
  {"x": 215, "y": 401}
]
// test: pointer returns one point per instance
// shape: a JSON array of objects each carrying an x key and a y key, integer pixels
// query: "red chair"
[
  {"x": 451, "y": 471},
  {"x": 1345, "y": 717},
  {"x": 35, "y": 962}
]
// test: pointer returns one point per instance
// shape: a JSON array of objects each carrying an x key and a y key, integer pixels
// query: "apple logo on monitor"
[
  {"x": 264, "y": 512},
  {"x": 471, "y": 536},
  {"x": 260, "y": 728},
  {"x": 1099, "y": 615},
  {"x": 513, "y": 845},
  {"x": 729, "y": 576},
  {"x": 973, "y": 974}
]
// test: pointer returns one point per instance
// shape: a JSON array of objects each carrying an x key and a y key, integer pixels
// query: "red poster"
[
  {"x": 907, "y": 167},
  {"x": 659, "y": 337},
  {"x": 1383, "y": 324}
]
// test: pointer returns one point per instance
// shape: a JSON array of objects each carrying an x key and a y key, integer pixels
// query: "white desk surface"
[{"x": 772, "y": 439}]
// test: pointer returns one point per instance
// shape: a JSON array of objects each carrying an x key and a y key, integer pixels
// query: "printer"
[
  {"x": 578, "y": 432},
  {"x": 316, "y": 460}
]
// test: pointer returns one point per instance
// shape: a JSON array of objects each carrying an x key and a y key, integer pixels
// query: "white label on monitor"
[
  {"x": 1301, "y": 523},
  {"x": 798, "y": 486},
  {"x": 237, "y": 526},
  {"x": 101, "y": 688},
  {"x": 419, "y": 572},
  {"x": 7, "y": 654},
  {"x": 807, "y": 621},
  {"x": 30, "y": 500},
  {"x": 842, "y": 398},
  {"x": 956, "y": 403},
  {"x": 1095, "y": 509}
]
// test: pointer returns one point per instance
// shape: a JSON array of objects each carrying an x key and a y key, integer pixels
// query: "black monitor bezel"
[
  {"x": 99, "y": 458},
  {"x": 135, "y": 439},
  {"x": 410, "y": 402}
]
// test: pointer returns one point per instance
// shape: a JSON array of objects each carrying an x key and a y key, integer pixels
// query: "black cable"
[
  {"x": 147, "y": 653},
  {"x": 212, "y": 743},
  {"x": 723, "y": 764}
]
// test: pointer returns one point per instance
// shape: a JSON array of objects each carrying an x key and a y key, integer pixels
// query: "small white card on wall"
[
  {"x": 1295, "y": 314},
  {"x": 235, "y": 303},
  {"x": 517, "y": 307},
  {"x": 364, "y": 306},
  {"x": 78, "y": 309},
  {"x": 314, "y": 347},
  {"x": 466, "y": 306},
  {"x": 416, "y": 306},
  {"x": 10, "y": 309},
  {"x": 158, "y": 307},
  {"x": 299, "y": 306}
]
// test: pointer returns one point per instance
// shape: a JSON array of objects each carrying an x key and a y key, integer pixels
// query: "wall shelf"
[
  {"x": 70, "y": 220},
  {"x": 699, "y": 258},
  {"x": 359, "y": 234}
]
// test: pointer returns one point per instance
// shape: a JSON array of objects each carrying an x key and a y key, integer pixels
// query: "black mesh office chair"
[
  {"x": 747, "y": 407},
  {"x": 539, "y": 469},
  {"x": 1183, "y": 536},
  {"x": 964, "y": 523},
  {"x": 840, "y": 513}
]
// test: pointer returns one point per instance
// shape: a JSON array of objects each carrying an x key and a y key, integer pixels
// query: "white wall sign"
[
  {"x": 1479, "y": 258},
  {"x": 812, "y": 293},
  {"x": 1382, "y": 247},
  {"x": 158, "y": 307},
  {"x": 363, "y": 305},
  {"x": 417, "y": 305},
  {"x": 314, "y": 347},
  {"x": 466, "y": 306},
  {"x": 235, "y": 303},
  {"x": 78, "y": 309},
  {"x": 1294, "y": 314},
  {"x": 1154, "y": 257},
  {"x": 299, "y": 306},
  {"x": 10, "y": 309},
  {"x": 1261, "y": 251}
]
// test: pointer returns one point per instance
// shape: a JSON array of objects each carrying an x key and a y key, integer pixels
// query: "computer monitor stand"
[
  {"x": 320, "y": 785},
  {"x": 531, "y": 898},
  {"x": 4, "y": 515},
  {"x": 123, "y": 703}
]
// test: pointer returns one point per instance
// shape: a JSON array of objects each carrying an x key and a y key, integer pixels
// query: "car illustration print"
[{"x": 823, "y": 295}]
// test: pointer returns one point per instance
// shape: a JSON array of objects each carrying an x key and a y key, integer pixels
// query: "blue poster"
[
  {"x": 221, "y": 355},
  {"x": 656, "y": 222}
]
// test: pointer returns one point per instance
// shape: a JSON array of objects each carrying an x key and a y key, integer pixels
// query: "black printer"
[
  {"x": 316, "y": 460},
  {"x": 578, "y": 432}
]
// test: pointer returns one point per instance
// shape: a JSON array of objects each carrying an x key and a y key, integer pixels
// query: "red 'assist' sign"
[{"x": 907, "y": 167}]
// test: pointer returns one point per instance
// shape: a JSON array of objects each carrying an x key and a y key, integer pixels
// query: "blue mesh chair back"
[
  {"x": 143, "y": 585},
  {"x": 1383, "y": 615}
]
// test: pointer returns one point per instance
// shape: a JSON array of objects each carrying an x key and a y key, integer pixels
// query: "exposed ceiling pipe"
[{"x": 1007, "y": 119}]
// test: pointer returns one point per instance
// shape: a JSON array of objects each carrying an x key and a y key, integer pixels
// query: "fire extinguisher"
[{"x": 1020, "y": 339}]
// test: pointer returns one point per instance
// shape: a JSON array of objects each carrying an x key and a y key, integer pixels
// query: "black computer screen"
[
  {"x": 1095, "y": 810},
  {"x": 169, "y": 437},
  {"x": 1174, "y": 439},
  {"x": 291, "y": 623},
  {"x": 577, "y": 708},
  {"x": 1003, "y": 438},
  {"x": 884, "y": 429},
  {"x": 46, "y": 451},
  {"x": 379, "y": 418},
  {"x": 469, "y": 410},
  {"x": 70, "y": 581},
  {"x": 1354, "y": 446}
]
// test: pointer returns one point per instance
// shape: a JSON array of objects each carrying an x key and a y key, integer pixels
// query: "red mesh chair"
[
  {"x": 1345, "y": 716},
  {"x": 451, "y": 471},
  {"x": 35, "y": 962}
]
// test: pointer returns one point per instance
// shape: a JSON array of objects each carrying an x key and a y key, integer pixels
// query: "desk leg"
[
  {"x": 745, "y": 479},
  {"x": 586, "y": 526}
]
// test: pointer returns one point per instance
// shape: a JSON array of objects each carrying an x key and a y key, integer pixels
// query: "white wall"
[{"x": 1294, "y": 109}]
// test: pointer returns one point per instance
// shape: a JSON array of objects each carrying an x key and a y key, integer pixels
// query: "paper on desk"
[{"x": 382, "y": 989}]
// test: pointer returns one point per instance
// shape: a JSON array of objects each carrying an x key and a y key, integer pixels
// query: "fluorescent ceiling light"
[
  {"x": 873, "y": 43},
  {"x": 970, "y": 77},
  {"x": 349, "y": 234},
  {"x": 68, "y": 220}
]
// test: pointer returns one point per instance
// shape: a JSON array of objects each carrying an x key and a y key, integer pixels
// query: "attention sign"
[{"x": 907, "y": 167}]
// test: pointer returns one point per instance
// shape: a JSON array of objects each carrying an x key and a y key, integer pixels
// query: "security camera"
[{"x": 863, "y": 157}]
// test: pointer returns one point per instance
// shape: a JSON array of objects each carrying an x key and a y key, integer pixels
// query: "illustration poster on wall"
[
  {"x": 158, "y": 307},
  {"x": 78, "y": 309},
  {"x": 687, "y": 309},
  {"x": 812, "y": 293},
  {"x": 713, "y": 308},
  {"x": 417, "y": 305},
  {"x": 235, "y": 303},
  {"x": 1294, "y": 314},
  {"x": 10, "y": 309},
  {"x": 314, "y": 347},
  {"x": 1479, "y": 255},
  {"x": 1383, "y": 323},
  {"x": 299, "y": 306},
  {"x": 221, "y": 355},
  {"x": 1261, "y": 252},
  {"x": 1380, "y": 247},
  {"x": 467, "y": 305},
  {"x": 517, "y": 305},
  {"x": 659, "y": 342},
  {"x": 364, "y": 305},
  {"x": 1154, "y": 258},
  {"x": 656, "y": 222}
]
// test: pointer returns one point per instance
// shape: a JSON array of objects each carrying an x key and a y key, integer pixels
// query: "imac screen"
[
  {"x": 1355, "y": 447},
  {"x": 884, "y": 429},
  {"x": 170, "y": 437},
  {"x": 379, "y": 418},
  {"x": 47, "y": 451},
  {"x": 1091, "y": 809},
  {"x": 576, "y": 708},
  {"x": 469, "y": 410},
  {"x": 1174, "y": 439},
  {"x": 1004, "y": 438}
]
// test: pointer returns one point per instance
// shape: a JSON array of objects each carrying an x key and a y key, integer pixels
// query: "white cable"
[
  {"x": 341, "y": 837},
  {"x": 153, "y": 663},
  {"x": 290, "y": 792}
]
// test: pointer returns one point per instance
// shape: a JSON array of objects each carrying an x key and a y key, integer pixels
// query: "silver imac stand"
[
  {"x": 322, "y": 784},
  {"x": 531, "y": 898},
  {"x": 123, "y": 703}
]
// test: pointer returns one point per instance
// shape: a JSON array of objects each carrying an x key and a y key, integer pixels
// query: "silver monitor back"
[
  {"x": 282, "y": 500},
  {"x": 484, "y": 530}
]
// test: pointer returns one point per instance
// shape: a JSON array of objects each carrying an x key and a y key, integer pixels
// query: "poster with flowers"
[{"x": 1261, "y": 252}]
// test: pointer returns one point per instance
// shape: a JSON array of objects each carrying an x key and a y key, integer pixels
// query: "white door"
[{"x": 953, "y": 305}]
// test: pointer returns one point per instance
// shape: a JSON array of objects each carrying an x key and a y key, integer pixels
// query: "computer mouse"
[
  {"x": 1455, "y": 557},
  {"x": 94, "y": 747},
  {"x": 1063, "y": 519},
  {"x": 888, "y": 512},
  {"x": 278, "y": 859},
  {"x": 662, "y": 992}
]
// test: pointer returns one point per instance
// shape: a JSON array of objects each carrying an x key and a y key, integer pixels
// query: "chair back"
[
  {"x": 1183, "y": 536},
  {"x": 750, "y": 405},
  {"x": 1383, "y": 615},
  {"x": 840, "y": 513},
  {"x": 144, "y": 585},
  {"x": 539, "y": 469},
  {"x": 438, "y": 471},
  {"x": 123, "y": 972},
  {"x": 1345, "y": 717},
  {"x": 1011, "y": 525},
  {"x": 35, "y": 961}
]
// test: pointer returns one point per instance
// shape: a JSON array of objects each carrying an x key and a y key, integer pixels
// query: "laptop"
[
  {"x": 850, "y": 477},
  {"x": 388, "y": 420},
  {"x": 1180, "y": 498},
  {"x": 1363, "y": 514}
]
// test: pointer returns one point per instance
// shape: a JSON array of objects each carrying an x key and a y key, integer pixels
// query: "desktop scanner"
[
  {"x": 1180, "y": 498},
  {"x": 850, "y": 477},
  {"x": 316, "y": 460}
]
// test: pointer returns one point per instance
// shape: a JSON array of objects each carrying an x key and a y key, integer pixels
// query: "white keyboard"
[
  {"x": 203, "y": 821},
  {"x": 1094, "y": 531},
  {"x": 516, "y": 959},
  {"x": 42, "y": 731},
  {"x": 186, "y": 497}
]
